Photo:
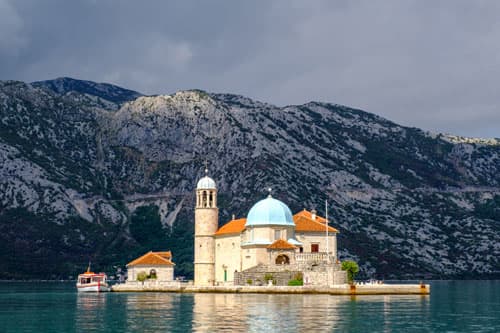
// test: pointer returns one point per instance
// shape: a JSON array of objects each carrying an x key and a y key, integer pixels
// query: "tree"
[
  {"x": 351, "y": 268},
  {"x": 142, "y": 276}
]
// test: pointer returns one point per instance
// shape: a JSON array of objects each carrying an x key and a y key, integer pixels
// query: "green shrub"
[
  {"x": 298, "y": 280},
  {"x": 249, "y": 281},
  {"x": 268, "y": 276},
  {"x": 351, "y": 268},
  {"x": 142, "y": 276},
  {"x": 295, "y": 282}
]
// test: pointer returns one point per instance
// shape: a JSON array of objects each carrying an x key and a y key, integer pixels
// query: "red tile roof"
[
  {"x": 308, "y": 214},
  {"x": 305, "y": 223},
  {"x": 153, "y": 259},
  {"x": 232, "y": 227},
  {"x": 281, "y": 245},
  {"x": 165, "y": 254}
]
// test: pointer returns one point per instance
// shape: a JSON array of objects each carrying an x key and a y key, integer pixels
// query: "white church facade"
[{"x": 270, "y": 245}]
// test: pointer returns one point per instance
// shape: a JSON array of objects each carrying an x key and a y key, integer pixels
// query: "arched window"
[
  {"x": 210, "y": 200},
  {"x": 204, "y": 199},
  {"x": 282, "y": 260},
  {"x": 152, "y": 274}
]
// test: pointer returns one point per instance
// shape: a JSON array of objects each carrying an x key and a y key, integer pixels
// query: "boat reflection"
[
  {"x": 90, "y": 311},
  {"x": 146, "y": 302}
]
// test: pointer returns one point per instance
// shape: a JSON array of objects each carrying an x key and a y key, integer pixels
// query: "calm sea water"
[{"x": 453, "y": 306}]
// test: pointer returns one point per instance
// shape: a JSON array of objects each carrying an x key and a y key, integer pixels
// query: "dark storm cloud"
[{"x": 430, "y": 64}]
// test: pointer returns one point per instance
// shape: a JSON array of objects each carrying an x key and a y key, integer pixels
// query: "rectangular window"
[
  {"x": 314, "y": 247},
  {"x": 277, "y": 234}
]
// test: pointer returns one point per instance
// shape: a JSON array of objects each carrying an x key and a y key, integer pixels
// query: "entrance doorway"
[{"x": 282, "y": 260}]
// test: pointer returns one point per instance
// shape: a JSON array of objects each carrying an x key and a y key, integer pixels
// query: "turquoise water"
[{"x": 453, "y": 306}]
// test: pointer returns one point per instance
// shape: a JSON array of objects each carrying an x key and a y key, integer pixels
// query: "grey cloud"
[
  {"x": 10, "y": 27},
  {"x": 429, "y": 64}
]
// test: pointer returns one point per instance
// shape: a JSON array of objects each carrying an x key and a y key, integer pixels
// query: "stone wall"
[
  {"x": 163, "y": 273},
  {"x": 150, "y": 284},
  {"x": 227, "y": 257},
  {"x": 319, "y": 238},
  {"x": 339, "y": 277}
]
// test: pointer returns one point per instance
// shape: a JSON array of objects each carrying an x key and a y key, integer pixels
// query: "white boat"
[{"x": 92, "y": 282}]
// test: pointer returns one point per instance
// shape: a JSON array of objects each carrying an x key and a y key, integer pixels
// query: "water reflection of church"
[{"x": 270, "y": 245}]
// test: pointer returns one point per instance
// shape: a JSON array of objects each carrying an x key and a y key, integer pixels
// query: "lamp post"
[{"x": 224, "y": 267}]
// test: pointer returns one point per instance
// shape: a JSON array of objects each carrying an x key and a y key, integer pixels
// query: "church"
[{"x": 269, "y": 246}]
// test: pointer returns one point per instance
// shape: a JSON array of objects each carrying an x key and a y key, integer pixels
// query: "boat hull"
[{"x": 93, "y": 287}]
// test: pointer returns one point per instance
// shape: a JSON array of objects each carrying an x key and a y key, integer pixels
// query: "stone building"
[
  {"x": 270, "y": 241},
  {"x": 158, "y": 266}
]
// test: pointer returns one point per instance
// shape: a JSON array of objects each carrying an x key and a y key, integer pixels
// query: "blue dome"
[{"x": 269, "y": 212}]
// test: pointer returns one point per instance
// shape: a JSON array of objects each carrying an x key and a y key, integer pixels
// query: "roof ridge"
[
  {"x": 159, "y": 256},
  {"x": 307, "y": 220},
  {"x": 301, "y": 213},
  {"x": 150, "y": 253}
]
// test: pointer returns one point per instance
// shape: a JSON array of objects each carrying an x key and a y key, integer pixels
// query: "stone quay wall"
[
  {"x": 345, "y": 289},
  {"x": 151, "y": 284}
]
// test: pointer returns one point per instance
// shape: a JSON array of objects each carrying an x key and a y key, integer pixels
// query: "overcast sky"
[{"x": 429, "y": 64}]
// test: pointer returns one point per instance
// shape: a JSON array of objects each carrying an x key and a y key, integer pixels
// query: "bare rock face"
[{"x": 95, "y": 171}]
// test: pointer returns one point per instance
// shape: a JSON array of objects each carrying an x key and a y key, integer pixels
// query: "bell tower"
[{"x": 206, "y": 217}]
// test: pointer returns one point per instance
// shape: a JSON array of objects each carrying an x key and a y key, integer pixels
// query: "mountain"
[
  {"x": 96, "y": 172},
  {"x": 109, "y": 95}
]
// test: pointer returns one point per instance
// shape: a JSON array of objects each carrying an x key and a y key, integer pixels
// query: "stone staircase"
[
  {"x": 257, "y": 275},
  {"x": 314, "y": 273}
]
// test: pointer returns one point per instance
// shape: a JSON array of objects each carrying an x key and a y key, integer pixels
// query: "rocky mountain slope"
[
  {"x": 103, "y": 92},
  {"x": 96, "y": 172}
]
